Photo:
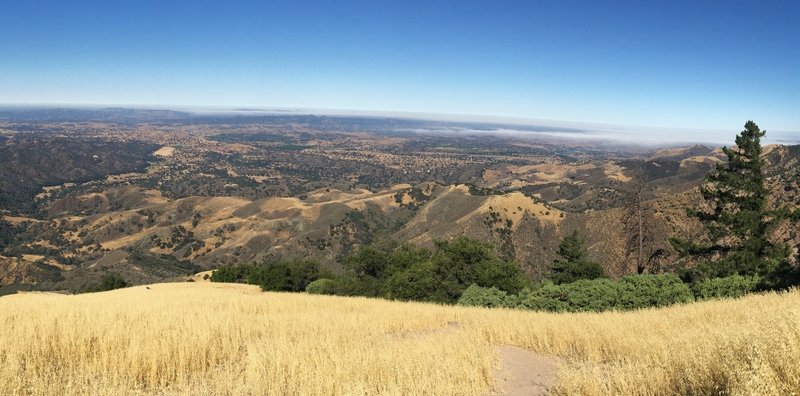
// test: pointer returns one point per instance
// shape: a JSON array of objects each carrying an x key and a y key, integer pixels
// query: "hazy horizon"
[
  {"x": 681, "y": 66},
  {"x": 643, "y": 135}
]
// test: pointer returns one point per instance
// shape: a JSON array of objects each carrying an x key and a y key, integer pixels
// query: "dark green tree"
[
  {"x": 301, "y": 273},
  {"x": 463, "y": 261},
  {"x": 231, "y": 274},
  {"x": 574, "y": 262},
  {"x": 418, "y": 282},
  {"x": 736, "y": 216},
  {"x": 286, "y": 275},
  {"x": 368, "y": 261},
  {"x": 272, "y": 275},
  {"x": 110, "y": 281}
]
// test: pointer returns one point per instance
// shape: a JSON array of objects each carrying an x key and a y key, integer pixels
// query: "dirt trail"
[{"x": 523, "y": 372}]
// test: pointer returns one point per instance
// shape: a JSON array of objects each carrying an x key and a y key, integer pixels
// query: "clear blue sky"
[{"x": 703, "y": 64}]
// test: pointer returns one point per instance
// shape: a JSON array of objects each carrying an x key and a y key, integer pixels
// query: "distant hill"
[
  {"x": 28, "y": 164},
  {"x": 110, "y": 114}
]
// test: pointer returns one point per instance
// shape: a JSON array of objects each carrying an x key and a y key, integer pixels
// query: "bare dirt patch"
[
  {"x": 702, "y": 159},
  {"x": 165, "y": 151},
  {"x": 523, "y": 372},
  {"x": 204, "y": 276},
  {"x": 615, "y": 172}
]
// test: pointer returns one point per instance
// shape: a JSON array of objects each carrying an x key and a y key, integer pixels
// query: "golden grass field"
[{"x": 205, "y": 338}]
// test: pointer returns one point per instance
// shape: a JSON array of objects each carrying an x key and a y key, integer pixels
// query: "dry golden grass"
[{"x": 205, "y": 338}]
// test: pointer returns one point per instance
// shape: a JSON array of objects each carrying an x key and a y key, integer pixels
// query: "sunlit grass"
[{"x": 201, "y": 338}]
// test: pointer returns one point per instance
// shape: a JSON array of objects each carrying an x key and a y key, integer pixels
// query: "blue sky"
[{"x": 674, "y": 64}]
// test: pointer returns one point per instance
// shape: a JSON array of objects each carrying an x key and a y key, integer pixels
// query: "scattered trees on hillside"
[
  {"x": 574, "y": 263},
  {"x": 737, "y": 220}
]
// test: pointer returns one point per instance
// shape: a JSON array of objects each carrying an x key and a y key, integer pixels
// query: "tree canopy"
[
  {"x": 574, "y": 262},
  {"x": 735, "y": 215}
]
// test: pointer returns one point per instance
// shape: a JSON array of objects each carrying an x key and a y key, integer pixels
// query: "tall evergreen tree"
[
  {"x": 574, "y": 263},
  {"x": 736, "y": 216}
]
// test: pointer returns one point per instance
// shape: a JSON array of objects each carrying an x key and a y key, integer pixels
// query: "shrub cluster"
[
  {"x": 471, "y": 273},
  {"x": 728, "y": 287},
  {"x": 595, "y": 295},
  {"x": 292, "y": 275},
  {"x": 110, "y": 281},
  {"x": 408, "y": 273},
  {"x": 491, "y": 297}
]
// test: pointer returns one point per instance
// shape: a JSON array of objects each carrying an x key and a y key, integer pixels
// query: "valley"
[{"x": 161, "y": 199}]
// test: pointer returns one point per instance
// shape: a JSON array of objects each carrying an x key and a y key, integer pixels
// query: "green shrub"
[
  {"x": 230, "y": 274},
  {"x": 642, "y": 291},
  {"x": 727, "y": 287},
  {"x": 322, "y": 286},
  {"x": 593, "y": 295},
  {"x": 419, "y": 282},
  {"x": 369, "y": 261},
  {"x": 492, "y": 297},
  {"x": 584, "y": 295},
  {"x": 406, "y": 255},
  {"x": 573, "y": 271},
  {"x": 351, "y": 286},
  {"x": 110, "y": 281},
  {"x": 501, "y": 274},
  {"x": 272, "y": 276},
  {"x": 547, "y": 297},
  {"x": 404, "y": 272},
  {"x": 293, "y": 275},
  {"x": 596, "y": 295}
]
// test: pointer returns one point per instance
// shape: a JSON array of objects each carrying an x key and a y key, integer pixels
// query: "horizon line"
[{"x": 510, "y": 120}]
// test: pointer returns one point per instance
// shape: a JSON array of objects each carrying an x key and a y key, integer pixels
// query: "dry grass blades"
[{"x": 205, "y": 338}]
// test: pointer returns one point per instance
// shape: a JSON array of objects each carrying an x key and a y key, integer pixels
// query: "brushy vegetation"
[
  {"x": 226, "y": 339},
  {"x": 398, "y": 272},
  {"x": 110, "y": 281},
  {"x": 292, "y": 275},
  {"x": 728, "y": 287},
  {"x": 630, "y": 292},
  {"x": 470, "y": 273}
]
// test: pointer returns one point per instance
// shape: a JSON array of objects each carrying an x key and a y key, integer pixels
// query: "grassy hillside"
[{"x": 203, "y": 338}]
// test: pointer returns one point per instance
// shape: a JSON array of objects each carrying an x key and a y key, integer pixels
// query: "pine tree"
[
  {"x": 574, "y": 263},
  {"x": 735, "y": 216},
  {"x": 572, "y": 248}
]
